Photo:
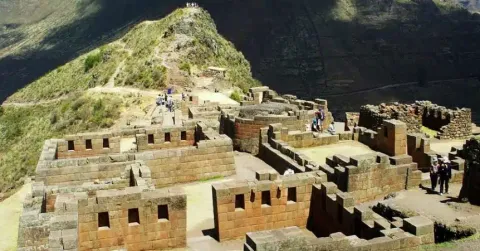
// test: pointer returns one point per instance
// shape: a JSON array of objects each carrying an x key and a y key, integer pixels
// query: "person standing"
[
  {"x": 321, "y": 118},
  {"x": 445, "y": 172},
  {"x": 434, "y": 173}
]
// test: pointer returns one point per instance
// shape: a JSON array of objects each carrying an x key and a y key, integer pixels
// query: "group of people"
[
  {"x": 167, "y": 101},
  {"x": 192, "y": 5},
  {"x": 440, "y": 169},
  {"x": 317, "y": 123}
]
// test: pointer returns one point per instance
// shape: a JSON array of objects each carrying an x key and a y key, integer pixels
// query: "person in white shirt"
[
  {"x": 288, "y": 172},
  {"x": 331, "y": 128}
]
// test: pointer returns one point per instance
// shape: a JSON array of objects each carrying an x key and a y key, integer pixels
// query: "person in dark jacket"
[
  {"x": 445, "y": 173},
  {"x": 434, "y": 173}
]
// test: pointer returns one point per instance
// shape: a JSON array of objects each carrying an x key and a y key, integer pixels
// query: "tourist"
[
  {"x": 445, "y": 172},
  {"x": 434, "y": 173},
  {"x": 331, "y": 128},
  {"x": 314, "y": 125},
  {"x": 169, "y": 103},
  {"x": 320, "y": 118},
  {"x": 159, "y": 100}
]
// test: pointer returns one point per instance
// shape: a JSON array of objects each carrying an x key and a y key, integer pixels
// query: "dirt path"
[
  {"x": 10, "y": 210},
  {"x": 27, "y": 104},
  {"x": 111, "y": 80}
]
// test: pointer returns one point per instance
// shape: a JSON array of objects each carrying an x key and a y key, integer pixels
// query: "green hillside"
[{"x": 189, "y": 34}]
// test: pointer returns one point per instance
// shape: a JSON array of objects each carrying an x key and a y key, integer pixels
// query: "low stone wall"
[
  {"x": 291, "y": 238},
  {"x": 335, "y": 211},
  {"x": 372, "y": 176},
  {"x": 135, "y": 220},
  {"x": 77, "y": 175},
  {"x": 210, "y": 158},
  {"x": 282, "y": 156},
  {"x": 451, "y": 123},
  {"x": 239, "y": 207}
]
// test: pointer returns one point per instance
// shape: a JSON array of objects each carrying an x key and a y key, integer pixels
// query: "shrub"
[
  {"x": 236, "y": 96},
  {"x": 93, "y": 59},
  {"x": 186, "y": 67}
]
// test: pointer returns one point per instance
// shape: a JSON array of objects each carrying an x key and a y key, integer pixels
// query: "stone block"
[
  {"x": 329, "y": 188},
  {"x": 401, "y": 159},
  {"x": 418, "y": 225}
]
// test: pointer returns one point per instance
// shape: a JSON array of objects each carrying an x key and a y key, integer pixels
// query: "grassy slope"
[
  {"x": 23, "y": 130},
  {"x": 143, "y": 68}
]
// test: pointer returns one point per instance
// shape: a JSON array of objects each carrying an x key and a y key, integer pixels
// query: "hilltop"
[{"x": 171, "y": 52}]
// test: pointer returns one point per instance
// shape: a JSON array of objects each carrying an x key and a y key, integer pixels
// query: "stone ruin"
[
  {"x": 113, "y": 190},
  {"x": 450, "y": 124},
  {"x": 471, "y": 182}
]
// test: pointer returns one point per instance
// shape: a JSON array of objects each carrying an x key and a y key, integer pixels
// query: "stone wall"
[
  {"x": 132, "y": 219},
  {"x": 390, "y": 138},
  {"x": 351, "y": 120},
  {"x": 247, "y": 130},
  {"x": 88, "y": 144},
  {"x": 450, "y": 123},
  {"x": 372, "y": 176},
  {"x": 471, "y": 182},
  {"x": 239, "y": 207},
  {"x": 165, "y": 137},
  {"x": 210, "y": 158},
  {"x": 77, "y": 175}
]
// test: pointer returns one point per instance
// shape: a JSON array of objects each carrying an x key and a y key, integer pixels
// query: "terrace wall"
[{"x": 152, "y": 232}]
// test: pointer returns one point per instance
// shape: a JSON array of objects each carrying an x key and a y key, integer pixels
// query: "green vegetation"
[
  {"x": 93, "y": 59},
  {"x": 236, "y": 96},
  {"x": 216, "y": 177},
  {"x": 193, "y": 36},
  {"x": 23, "y": 130},
  {"x": 449, "y": 244},
  {"x": 72, "y": 77},
  {"x": 429, "y": 132},
  {"x": 186, "y": 67}
]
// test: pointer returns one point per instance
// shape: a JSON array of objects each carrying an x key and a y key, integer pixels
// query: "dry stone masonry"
[{"x": 450, "y": 123}]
